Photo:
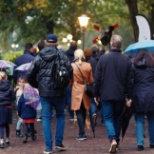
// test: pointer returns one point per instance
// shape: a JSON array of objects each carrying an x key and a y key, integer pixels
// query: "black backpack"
[{"x": 60, "y": 73}]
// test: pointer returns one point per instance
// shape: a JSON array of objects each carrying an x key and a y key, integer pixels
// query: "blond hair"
[
  {"x": 79, "y": 55},
  {"x": 3, "y": 76},
  {"x": 116, "y": 41}
]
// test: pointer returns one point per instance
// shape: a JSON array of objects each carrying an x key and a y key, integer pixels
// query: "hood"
[
  {"x": 48, "y": 53},
  {"x": 4, "y": 85}
]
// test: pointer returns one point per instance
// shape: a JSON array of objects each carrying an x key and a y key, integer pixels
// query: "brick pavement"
[{"x": 98, "y": 145}]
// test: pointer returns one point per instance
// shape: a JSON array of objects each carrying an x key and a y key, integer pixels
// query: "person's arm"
[
  {"x": 97, "y": 82},
  {"x": 129, "y": 85},
  {"x": 33, "y": 72}
]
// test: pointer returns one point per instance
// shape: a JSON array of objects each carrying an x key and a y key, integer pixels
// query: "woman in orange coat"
[{"x": 80, "y": 100}]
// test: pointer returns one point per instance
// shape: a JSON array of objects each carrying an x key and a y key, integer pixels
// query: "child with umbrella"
[{"x": 27, "y": 106}]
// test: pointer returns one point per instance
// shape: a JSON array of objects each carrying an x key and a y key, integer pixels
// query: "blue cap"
[{"x": 51, "y": 38}]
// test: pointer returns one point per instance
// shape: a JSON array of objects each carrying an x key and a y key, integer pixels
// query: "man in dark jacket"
[
  {"x": 112, "y": 86},
  {"x": 27, "y": 57},
  {"x": 50, "y": 97}
]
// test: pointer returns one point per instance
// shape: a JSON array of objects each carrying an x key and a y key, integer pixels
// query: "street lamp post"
[{"x": 83, "y": 21}]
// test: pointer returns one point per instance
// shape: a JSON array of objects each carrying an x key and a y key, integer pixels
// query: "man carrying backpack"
[{"x": 49, "y": 73}]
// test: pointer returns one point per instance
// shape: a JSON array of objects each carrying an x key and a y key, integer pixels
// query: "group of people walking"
[{"x": 114, "y": 77}]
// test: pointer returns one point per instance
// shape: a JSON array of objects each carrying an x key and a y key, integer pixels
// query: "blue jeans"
[
  {"x": 58, "y": 102},
  {"x": 112, "y": 114},
  {"x": 140, "y": 117}
]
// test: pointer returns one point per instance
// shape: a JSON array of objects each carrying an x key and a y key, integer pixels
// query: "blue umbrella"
[{"x": 146, "y": 44}]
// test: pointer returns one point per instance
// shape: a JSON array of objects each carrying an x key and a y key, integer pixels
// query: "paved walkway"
[{"x": 98, "y": 145}]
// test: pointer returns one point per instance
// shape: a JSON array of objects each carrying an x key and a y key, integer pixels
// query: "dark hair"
[
  {"x": 28, "y": 46},
  {"x": 41, "y": 45},
  {"x": 143, "y": 53},
  {"x": 73, "y": 45}
]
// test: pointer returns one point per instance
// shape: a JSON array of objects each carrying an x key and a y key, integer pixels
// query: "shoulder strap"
[{"x": 80, "y": 72}]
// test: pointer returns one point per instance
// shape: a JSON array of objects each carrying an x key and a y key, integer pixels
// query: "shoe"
[
  {"x": 39, "y": 120},
  {"x": 71, "y": 119},
  {"x": 2, "y": 145},
  {"x": 95, "y": 119},
  {"x": 61, "y": 147},
  {"x": 81, "y": 137},
  {"x": 7, "y": 142},
  {"x": 113, "y": 147},
  {"x": 47, "y": 152},
  {"x": 25, "y": 139},
  {"x": 18, "y": 133},
  {"x": 151, "y": 146},
  {"x": 118, "y": 147},
  {"x": 34, "y": 137},
  {"x": 140, "y": 147}
]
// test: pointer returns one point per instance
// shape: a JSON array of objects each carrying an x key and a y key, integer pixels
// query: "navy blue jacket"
[
  {"x": 27, "y": 57},
  {"x": 143, "y": 90},
  {"x": 25, "y": 111},
  {"x": 113, "y": 77},
  {"x": 7, "y": 95}
]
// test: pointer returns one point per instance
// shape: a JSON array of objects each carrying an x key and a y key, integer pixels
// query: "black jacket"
[
  {"x": 113, "y": 77},
  {"x": 39, "y": 75},
  {"x": 7, "y": 94}
]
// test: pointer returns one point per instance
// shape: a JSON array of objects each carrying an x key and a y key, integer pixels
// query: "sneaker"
[
  {"x": 47, "y": 152},
  {"x": 2, "y": 145},
  {"x": 113, "y": 147},
  {"x": 71, "y": 119},
  {"x": 61, "y": 147},
  {"x": 7, "y": 142},
  {"x": 140, "y": 147},
  {"x": 38, "y": 120},
  {"x": 81, "y": 137}
]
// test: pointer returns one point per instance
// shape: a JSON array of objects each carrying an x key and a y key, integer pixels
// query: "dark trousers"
[
  {"x": 81, "y": 117},
  {"x": 28, "y": 126},
  {"x": 2, "y": 128},
  {"x": 68, "y": 101}
]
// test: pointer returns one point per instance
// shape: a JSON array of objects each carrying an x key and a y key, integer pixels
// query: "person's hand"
[
  {"x": 97, "y": 100},
  {"x": 128, "y": 102}
]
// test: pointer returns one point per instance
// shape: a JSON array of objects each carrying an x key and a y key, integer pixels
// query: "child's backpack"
[{"x": 60, "y": 73}]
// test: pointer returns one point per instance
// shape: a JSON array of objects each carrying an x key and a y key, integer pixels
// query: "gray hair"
[{"x": 116, "y": 41}]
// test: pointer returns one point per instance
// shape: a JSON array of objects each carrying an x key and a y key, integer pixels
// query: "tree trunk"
[{"x": 133, "y": 11}]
